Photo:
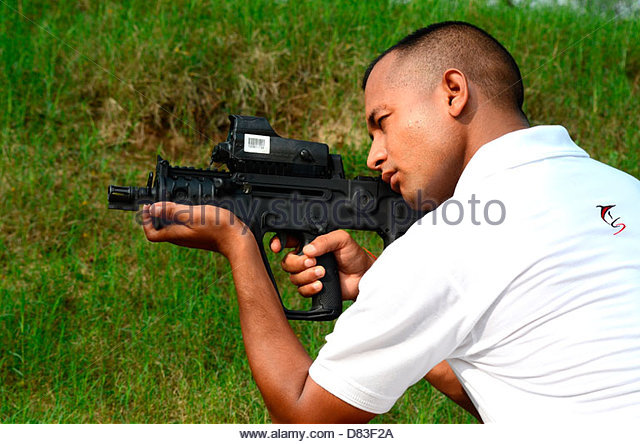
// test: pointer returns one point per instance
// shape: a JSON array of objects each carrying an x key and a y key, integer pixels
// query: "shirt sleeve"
[{"x": 408, "y": 317}]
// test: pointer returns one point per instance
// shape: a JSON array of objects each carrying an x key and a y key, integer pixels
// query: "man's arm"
[
  {"x": 279, "y": 363},
  {"x": 445, "y": 380}
]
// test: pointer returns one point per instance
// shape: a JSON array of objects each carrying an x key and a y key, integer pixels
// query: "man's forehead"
[
  {"x": 379, "y": 82},
  {"x": 387, "y": 77},
  {"x": 384, "y": 72}
]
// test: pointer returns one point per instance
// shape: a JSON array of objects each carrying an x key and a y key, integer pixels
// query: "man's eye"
[{"x": 380, "y": 121}]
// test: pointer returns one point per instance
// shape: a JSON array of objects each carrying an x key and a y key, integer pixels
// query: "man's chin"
[{"x": 420, "y": 201}]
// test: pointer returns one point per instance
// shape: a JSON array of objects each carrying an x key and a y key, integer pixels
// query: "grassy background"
[{"x": 96, "y": 324}]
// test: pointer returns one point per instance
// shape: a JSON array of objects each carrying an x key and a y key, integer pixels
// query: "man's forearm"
[
  {"x": 279, "y": 363},
  {"x": 444, "y": 379}
]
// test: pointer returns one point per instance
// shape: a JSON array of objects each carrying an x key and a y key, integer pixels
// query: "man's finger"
[
  {"x": 310, "y": 289},
  {"x": 167, "y": 233},
  {"x": 276, "y": 242},
  {"x": 307, "y": 276},
  {"x": 326, "y": 243},
  {"x": 147, "y": 224},
  {"x": 152, "y": 234},
  {"x": 175, "y": 213},
  {"x": 292, "y": 263}
]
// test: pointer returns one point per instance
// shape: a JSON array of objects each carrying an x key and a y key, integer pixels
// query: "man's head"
[{"x": 432, "y": 100}]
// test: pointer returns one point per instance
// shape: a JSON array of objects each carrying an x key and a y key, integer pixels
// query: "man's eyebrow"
[{"x": 371, "y": 118}]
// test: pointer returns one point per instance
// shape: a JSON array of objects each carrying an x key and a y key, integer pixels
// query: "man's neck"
[{"x": 492, "y": 127}]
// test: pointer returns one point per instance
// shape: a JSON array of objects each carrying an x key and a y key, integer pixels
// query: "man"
[{"x": 525, "y": 277}]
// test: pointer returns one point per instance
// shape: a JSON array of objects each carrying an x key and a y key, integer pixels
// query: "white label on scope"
[{"x": 254, "y": 143}]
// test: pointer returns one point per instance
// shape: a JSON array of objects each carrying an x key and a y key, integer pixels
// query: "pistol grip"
[
  {"x": 326, "y": 305},
  {"x": 329, "y": 298}
]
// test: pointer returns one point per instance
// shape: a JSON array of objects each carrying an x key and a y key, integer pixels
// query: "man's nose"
[{"x": 377, "y": 156}]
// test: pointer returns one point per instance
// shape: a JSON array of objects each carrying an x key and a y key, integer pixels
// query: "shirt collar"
[{"x": 518, "y": 148}]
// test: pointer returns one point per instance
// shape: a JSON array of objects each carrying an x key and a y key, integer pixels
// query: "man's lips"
[
  {"x": 386, "y": 176},
  {"x": 392, "y": 179},
  {"x": 393, "y": 182}
]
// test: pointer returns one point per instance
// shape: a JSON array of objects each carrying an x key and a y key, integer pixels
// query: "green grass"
[{"x": 96, "y": 324}]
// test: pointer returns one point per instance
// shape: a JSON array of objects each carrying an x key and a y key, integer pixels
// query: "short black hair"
[{"x": 466, "y": 47}]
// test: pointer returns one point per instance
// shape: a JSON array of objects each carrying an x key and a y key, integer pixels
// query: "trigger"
[{"x": 282, "y": 237}]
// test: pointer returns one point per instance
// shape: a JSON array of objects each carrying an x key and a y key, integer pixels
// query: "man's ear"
[{"x": 456, "y": 88}]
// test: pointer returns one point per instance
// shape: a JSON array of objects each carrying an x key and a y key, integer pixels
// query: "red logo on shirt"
[{"x": 605, "y": 214}]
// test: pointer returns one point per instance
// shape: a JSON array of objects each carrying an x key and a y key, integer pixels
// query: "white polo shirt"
[{"x": 533, "y": 296}]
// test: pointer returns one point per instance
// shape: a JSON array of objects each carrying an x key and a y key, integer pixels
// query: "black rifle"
[{"x": 290, "y": 187}]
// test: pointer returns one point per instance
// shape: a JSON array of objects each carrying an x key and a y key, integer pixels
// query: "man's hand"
[
  {"x": 204, "y": 227},
  {"x": 352, "y": 261}
]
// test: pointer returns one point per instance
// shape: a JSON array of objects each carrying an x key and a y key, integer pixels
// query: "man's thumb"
[
  {"x": 326, "y": 243},
  {"x": 162, "y": 209},
  {"x": 310, "y": 250}
]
